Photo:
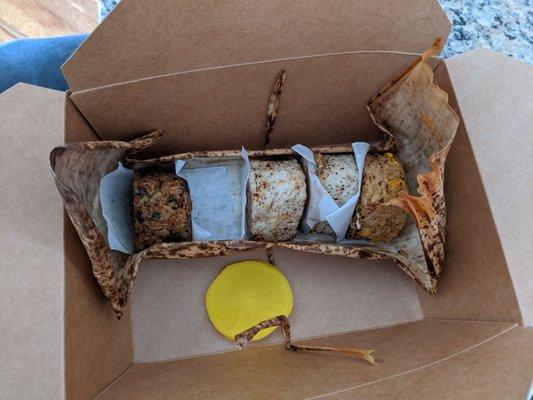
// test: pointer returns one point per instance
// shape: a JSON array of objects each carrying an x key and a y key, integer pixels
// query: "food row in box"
[
  {"x": 220, "y": 211},
  {"x": 269, "y": 199}
]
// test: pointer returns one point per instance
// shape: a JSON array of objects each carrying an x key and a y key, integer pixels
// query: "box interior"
[
  {"x": 415, "y": 358},
  {"x": 334, "y": 296},
  {"x": 164, "y": 345}
]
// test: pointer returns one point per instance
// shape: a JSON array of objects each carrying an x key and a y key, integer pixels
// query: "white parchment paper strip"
[
  {"x": 321, "y": 206},
  {"x": 218, "y": 195},
  {"x": 116, "y": 199}
]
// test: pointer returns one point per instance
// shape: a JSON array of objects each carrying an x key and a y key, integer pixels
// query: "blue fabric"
[{"x": 36, "y": 61}]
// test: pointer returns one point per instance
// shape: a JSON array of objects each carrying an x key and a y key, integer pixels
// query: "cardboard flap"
[
  {"x": 494, "y": 95},
  {"x": 149, "y": 38},
  {"x": 498, "y": 368},
  {"x": 273, "y": 372},
  {"x": 31, "y": 246}
]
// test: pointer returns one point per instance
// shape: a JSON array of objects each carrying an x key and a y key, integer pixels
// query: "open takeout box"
[
  {"x": 199, "y": 71},
  {"x": 417, "y": 123}
]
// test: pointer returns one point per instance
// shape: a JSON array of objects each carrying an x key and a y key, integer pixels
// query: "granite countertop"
[{"x": 505, "y": 26}]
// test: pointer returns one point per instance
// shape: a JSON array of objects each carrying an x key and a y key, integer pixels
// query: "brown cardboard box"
[{"x": 200, "y": 72}]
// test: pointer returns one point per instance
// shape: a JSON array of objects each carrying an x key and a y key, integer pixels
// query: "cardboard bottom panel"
[
  {"x": 273, "y": 372},
  {"x": 331, "y": 294}
]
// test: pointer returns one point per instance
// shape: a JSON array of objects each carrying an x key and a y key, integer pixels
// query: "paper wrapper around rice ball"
[
  {"x": 162, "y": 209},
  {"x": 276, "y": 199},
  {"x": 383, "y": 180},
  {"x": 338, "y": 175}
]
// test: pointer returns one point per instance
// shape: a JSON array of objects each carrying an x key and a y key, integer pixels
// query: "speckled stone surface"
[
  {"x": 505, "y": 26},
  {"x": 105, "y": 7}
]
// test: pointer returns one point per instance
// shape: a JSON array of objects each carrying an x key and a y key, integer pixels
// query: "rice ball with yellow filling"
[{"x": 383, "y": 180}]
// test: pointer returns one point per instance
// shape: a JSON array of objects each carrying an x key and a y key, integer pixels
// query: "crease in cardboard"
[
  {"x": 75, "y": 120},
  {"x": 115, "y": 380},
  {"x": 97, "y": 88}
]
